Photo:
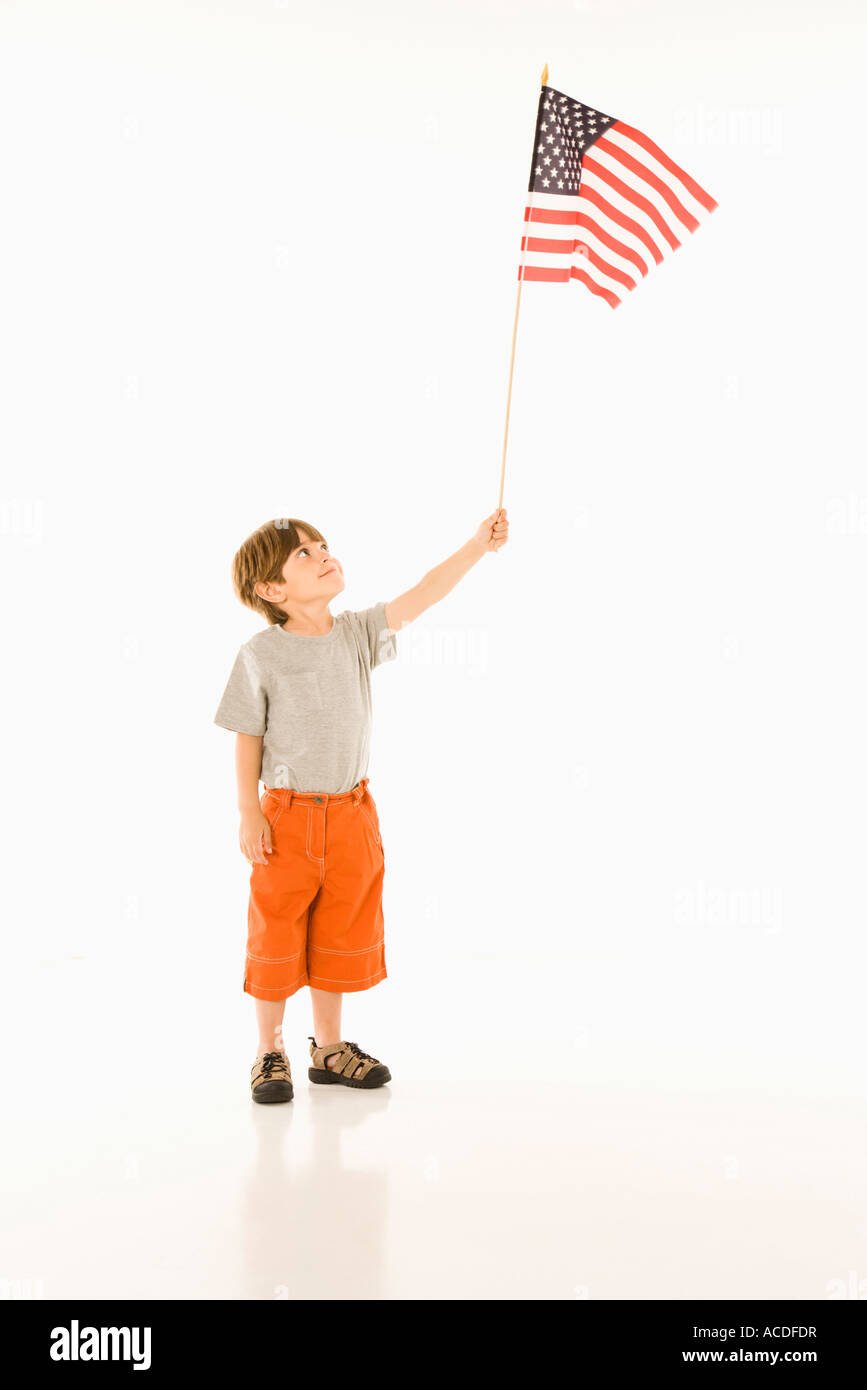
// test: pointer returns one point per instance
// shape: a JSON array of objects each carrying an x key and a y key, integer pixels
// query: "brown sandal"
[
  {"x": 271, "y": 1078},
  {"x": 352, "y": 1068}
]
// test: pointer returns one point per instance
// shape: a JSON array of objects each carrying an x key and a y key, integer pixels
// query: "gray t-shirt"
[{"x": 309, "y": 697}]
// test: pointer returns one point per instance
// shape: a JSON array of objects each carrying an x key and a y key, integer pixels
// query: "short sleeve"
[
  {"x": 244, "y": 706},
  {"x": 378, "y": 637}
]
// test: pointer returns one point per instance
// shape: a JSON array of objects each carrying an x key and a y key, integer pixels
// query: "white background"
[{"x": 259, "y": 259}]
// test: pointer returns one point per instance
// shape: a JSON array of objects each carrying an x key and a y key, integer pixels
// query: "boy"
[{"x": 298, "y": 699}]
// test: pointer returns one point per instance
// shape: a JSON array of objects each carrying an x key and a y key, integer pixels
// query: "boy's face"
[{"x": 310, "y": 572}]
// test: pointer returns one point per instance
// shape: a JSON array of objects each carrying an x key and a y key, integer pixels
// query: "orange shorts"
[{"x": 315, "y": 915}]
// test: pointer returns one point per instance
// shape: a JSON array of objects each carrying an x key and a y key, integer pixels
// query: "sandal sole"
[
  {"x": 325, "y": 1077},
  {"x": 271, "y": 1092}
]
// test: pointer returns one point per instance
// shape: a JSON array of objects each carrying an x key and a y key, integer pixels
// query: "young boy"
[{"x": 299, "y": 700}]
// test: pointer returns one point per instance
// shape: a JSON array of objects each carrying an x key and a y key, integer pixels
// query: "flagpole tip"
[{"x": 545, "y": 75}]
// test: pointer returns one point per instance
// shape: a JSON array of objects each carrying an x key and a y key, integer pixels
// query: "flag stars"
[{"x": 565, "y": 129}]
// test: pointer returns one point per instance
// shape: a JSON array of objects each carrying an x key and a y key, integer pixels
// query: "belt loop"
[{"x": 289, "y": 795}]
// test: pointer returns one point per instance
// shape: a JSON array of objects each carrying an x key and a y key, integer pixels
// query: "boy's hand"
[
  {"x": 255, "y": 837},
  {"x": 493, "y": 532}
]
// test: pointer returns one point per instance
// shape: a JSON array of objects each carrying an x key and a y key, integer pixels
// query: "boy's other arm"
[
  {"x": 490, "y": 535},
  {"x": 248, "y": 761},
  {"x": 254, "y": 836}
]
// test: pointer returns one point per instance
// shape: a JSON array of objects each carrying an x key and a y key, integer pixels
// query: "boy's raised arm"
[{"x": 490, "y": 535}]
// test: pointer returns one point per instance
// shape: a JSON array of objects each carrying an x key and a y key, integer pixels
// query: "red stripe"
[
  {"x": 626, "y": 252},
  {"x": 700, "y": 194},
  {"x": 632, "y": 197},
  {"x": 607, "y": 295},
  {"x": 538, "y": 272},
  {"x": 564, "y": 217},
  {"x": 636, "y": 167},
  {"x": 590, "y": 195},
  {"x": 563, "y": 247}
]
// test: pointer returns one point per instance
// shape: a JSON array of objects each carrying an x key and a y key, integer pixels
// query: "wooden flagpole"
[{"x": 514, "y": 336}]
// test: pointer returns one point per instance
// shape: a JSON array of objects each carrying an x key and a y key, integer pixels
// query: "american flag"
[{"x": 609, "y": 203}]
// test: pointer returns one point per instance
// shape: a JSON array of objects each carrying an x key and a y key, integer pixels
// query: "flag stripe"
[
  {"x": 540, "y": 272},
  {"x": 595, "y": 166},
  {"x": 626, "y": 224},
  {"x": 585, "y": 279},
  {"x": 641, "y": 171},
  {"x": 588, "y": 225},
  {"x": 699, "y": 193},
  {"x": 563, "y": 246},
  {"x": 555, "y": 216},
  {"x": 615, "y": 137},
  {"x": 607, "y": 269}
]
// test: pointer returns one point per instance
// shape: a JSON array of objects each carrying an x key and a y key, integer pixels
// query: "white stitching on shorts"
[
  {"x": 280, "y": 805},
  {"x": 274, "y": 960},
  {"x": 329, "y": 951},
  {"x": 315, "y": 857},
  {"x": 370, "y": 821},
  {"x": 255, "y": 983},
  {"x": 362, "y": 981}
]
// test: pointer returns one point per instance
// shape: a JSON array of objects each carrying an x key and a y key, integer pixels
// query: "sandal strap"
[{"x": 351, "y": 1061}]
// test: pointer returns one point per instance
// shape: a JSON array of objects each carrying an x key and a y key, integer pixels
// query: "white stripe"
[
  {"x": 548, "y": 260},
  {"x": 556, "y": 202}
]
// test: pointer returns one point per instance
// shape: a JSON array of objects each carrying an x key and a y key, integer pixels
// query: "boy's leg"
[
  {"x": 269, "y": 1018},
  {"x": 345, "y": 943},
  {"x": 327, "y": 1007},
  {"x": 326, "y": 1018}
]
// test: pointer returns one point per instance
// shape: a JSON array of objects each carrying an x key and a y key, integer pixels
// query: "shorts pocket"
[
  {"x": 271, "y": 807},
  {"x": 367, "y": 807}
]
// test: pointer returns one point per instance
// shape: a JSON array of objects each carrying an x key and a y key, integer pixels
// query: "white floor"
[{"x": 138, "y": 1167}]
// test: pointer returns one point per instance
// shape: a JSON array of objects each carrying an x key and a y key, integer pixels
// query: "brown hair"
[{"x": 261, "y": 560}]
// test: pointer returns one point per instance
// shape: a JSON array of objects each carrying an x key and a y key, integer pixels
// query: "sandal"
[
  {"x": 352, "y": 1068},
  {"x": 271, "y": 1078}
]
